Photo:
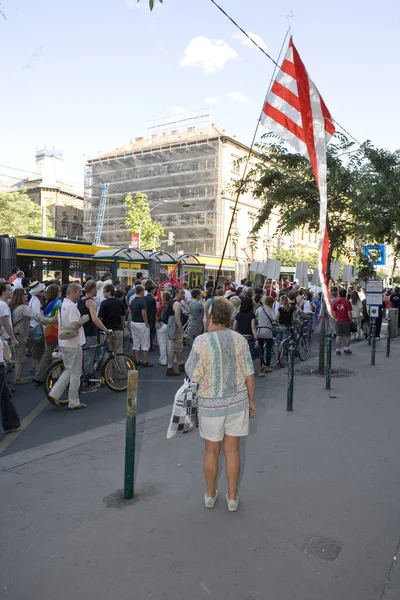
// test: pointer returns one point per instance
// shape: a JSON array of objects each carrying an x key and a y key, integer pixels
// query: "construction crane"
[{"x": 102, "y": 210}]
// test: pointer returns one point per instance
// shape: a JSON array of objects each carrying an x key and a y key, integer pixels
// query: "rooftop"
[{"x": 175, "y": 137}]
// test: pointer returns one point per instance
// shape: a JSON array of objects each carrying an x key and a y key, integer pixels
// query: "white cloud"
[
  {"x": 238, "y": 97},
  {"x": 246, "y": 42},
  {"x": 163, "y": 49},
  {"x": 177, "y": 110},
  {"x": 211, "y": 100},
  {"x": 209, "y": 55}
]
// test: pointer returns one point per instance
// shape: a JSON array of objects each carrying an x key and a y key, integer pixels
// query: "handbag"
[
  {"x": 184, "y": 417},
  {"x": 35, "y": 335},
  {"x": 172, "y": 328},
  {"x": 66, "y": 333},
  {"x": 353, "y": 327},
  {"x": 273, "y": 328}
]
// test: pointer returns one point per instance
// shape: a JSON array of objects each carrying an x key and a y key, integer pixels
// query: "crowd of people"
[{"x": 39, "y": 317}]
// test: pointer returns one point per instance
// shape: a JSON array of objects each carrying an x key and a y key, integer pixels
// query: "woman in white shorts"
[{"x": 221, "y": 364}]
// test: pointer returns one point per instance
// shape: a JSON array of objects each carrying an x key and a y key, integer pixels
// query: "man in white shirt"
[
  {"x": 17, "y": 283},
  {"x": 71, "y": 349},
  {"x": 7, "y": 332}
]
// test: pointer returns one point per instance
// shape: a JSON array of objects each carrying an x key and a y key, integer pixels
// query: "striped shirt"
[{"x": 219, "y": 362}]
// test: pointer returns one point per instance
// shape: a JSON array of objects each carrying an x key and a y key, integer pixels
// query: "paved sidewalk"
[{"x": 328, "y": 472}]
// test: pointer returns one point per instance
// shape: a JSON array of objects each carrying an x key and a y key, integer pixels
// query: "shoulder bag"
[{"x": 66, "y": 333}]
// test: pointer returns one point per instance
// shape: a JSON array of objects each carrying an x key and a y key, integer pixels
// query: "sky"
[{"x": 86, "y": 76}]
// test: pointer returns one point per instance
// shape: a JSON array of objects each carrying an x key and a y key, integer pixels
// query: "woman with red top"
[
  {"x": 162, "y": 329},
  {"x": 342, "y": 313}
]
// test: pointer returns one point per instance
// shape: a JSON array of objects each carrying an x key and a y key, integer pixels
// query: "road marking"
[{"x": 11, "y": 437}]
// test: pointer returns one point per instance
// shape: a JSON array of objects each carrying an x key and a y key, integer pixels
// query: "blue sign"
[{"x": 376, "y": 254}]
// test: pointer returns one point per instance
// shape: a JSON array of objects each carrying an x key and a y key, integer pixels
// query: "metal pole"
[
  {"x": 373, "y": 340},
  {"x": 328, "y": 367},
  {"x": 130, "y": 438},
  {"x": 388, "y": 336},
  {"x": 369, "y": 331},
  {"x": 289, "y": 405}
]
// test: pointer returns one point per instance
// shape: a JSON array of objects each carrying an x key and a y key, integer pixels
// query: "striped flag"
[{"x": 296, "y": 112}]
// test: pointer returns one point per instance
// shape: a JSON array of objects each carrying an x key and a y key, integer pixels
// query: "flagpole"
[
  {"x": 270, "y": 58},
  {"x": 240, "y": 187}
]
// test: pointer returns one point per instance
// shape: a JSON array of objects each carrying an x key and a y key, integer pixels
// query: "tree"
[
  {"x": 378, "y": 182},
  {"x": 19, "y": 215},
  {"x": 138, "y": 220},
  {"x": 285, "y": 181},
  {"x": 287, "y": 257},
  {"x": 152, "y": 3}
]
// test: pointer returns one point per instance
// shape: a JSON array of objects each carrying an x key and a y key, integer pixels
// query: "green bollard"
[
  {"x": 328, "y": 365},
  {"x": 291, "y": 352},
  {"x": 373, "y": 340},
  {"x": 130, "y": 437},
  {"x": 388, "y": 337}
]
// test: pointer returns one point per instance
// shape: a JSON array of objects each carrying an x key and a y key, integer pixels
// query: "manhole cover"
[
  {"x": 313, "y": 370},
  {"x": 323, "y": 548}
]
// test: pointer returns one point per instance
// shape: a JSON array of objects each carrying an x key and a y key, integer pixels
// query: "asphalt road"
[{"x": 49, "y": 423}]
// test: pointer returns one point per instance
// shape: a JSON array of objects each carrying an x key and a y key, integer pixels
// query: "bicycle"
[
  {"x": 300, "y": 335},
  {"x": 114, "y": 371},
  {"x": 274, "y": 354}
]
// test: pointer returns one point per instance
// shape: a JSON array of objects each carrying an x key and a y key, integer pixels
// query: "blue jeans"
[
  {"x": 89, "y": 355},
  {"x": 282, "y": 333}
]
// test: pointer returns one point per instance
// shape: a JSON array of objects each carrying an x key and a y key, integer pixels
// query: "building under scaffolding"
[{"x": 183, "y": 166}]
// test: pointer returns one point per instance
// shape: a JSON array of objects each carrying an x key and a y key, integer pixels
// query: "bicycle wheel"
[
  {"x": 303, "y": 347},
  {"x": 284, "y": 353},
  {"x": 115, "y": 371},
  {"x": 52, "y": 375},
  {"x": 274, "y": 354}
]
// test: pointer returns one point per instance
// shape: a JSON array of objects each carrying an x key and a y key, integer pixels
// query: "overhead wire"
[
  {"x": 249, "y": 155},
  {"x": 270, "y": 57}
]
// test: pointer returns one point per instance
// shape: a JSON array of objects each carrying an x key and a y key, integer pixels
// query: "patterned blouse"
[{"x": 219, "y": 362}]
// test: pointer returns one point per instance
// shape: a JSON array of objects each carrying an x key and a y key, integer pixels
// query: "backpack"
[{"x": 167, "y": 312}]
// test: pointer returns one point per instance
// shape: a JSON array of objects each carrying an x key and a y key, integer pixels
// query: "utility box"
[{"x": 394, "y": 320}]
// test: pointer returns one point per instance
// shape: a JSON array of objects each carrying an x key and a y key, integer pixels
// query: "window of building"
[
  {"x": 210, "y": 163},
  {"x": 234, "y": 248},
  {"x": 235, "y": 167},
  {"x": 251, "y": 222},
  {"x": 234, "y": 223}
]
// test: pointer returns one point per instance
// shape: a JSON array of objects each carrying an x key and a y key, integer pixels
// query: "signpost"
[{"x": 374, "y": 299}]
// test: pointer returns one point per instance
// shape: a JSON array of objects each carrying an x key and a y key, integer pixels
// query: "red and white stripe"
[{"x": 296, "y": 112}]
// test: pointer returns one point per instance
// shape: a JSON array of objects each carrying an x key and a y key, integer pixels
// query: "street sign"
[
  {"x": 132, "y": 273},
  {"x": 349, "y": 273},
  {"x": 134, "y": 243},
  {"x": 374, "y": 292},
  {"x": 335, "y": 270},
  {"x": 376, "y": 254},
  {"x": 374, "y": 286},
  {"x": 302, "y": 273}
]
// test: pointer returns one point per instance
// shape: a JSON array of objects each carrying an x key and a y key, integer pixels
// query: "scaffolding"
[{"x": 178, "y": 166}]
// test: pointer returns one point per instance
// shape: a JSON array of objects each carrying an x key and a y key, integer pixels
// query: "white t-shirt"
[
  {"x": 4, "y": 311},
  {"x": 17, "y": 283},
  {"x": 36, "y": 307},
  {"x": 68, "y": 314}
]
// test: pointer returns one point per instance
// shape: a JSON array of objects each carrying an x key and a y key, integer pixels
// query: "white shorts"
[
  {"x": 140, "y": 336},
  {"x": 214, "y": 428}
]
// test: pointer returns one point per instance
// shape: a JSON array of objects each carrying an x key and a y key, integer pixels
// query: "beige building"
[
  {"x": 185, "y": 168},
  {"x": 46, "y": 186}
]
